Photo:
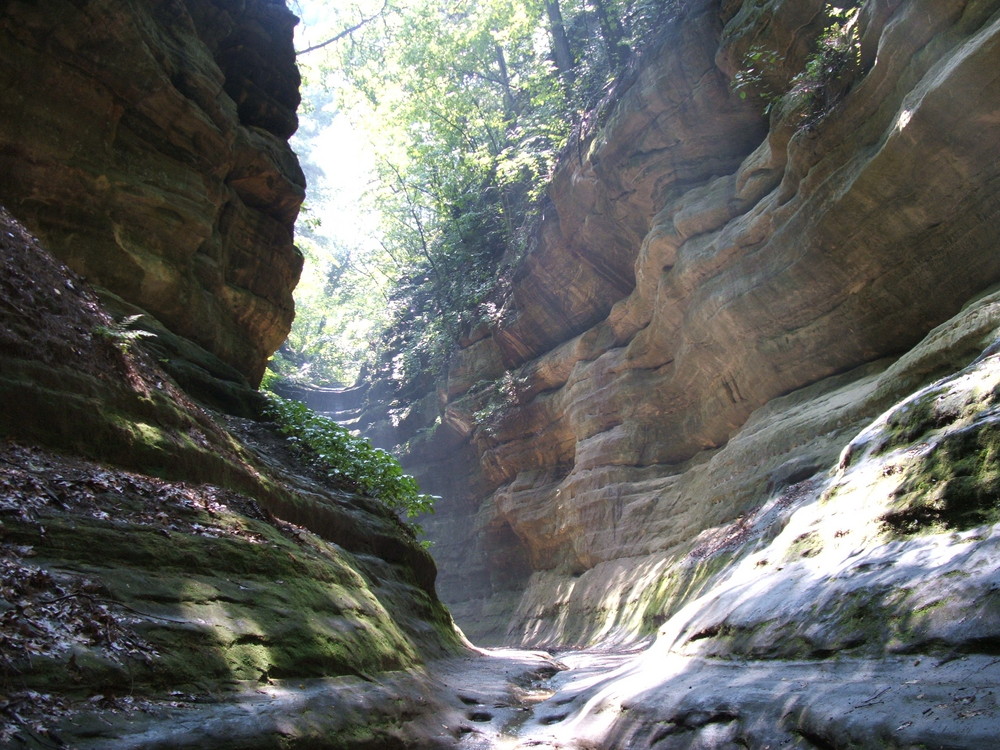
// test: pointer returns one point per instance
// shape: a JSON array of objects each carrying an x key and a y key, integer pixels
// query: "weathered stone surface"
[
  {"x": 154, "y": 550},
  {"x": 147, "y": 145},
  {"x": 856, "y": 607},
  {"x": 700, "y": 262},
  {"x": 689, "y": 528}
]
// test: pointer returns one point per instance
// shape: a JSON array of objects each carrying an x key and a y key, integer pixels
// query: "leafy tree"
[
  {"x": 465, "y": 113},
  {"x": 466, "y": 105},
  {"x": 562, "y": 54},
  {"x": 363, "y": 20}
]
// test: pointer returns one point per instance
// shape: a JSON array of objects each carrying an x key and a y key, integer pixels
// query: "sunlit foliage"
[
  {"x": 347, "y": 460},
  {"x": 465, "y": 106}
]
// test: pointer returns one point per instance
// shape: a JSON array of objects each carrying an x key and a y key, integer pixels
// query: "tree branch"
[{"x": 346, "y": 32}]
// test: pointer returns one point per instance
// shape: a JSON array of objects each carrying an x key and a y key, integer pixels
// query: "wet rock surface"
[
  {"x": 654, "y": 700},
  {"x": 451, "y": 703}
]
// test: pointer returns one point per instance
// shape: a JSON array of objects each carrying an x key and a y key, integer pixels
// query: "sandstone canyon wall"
[
  {"x": 171, "y": 575},
  {"x": 174, "y": 577},
  {"x": 717, "y": 305},
  {"x": 146, "y": 144}
]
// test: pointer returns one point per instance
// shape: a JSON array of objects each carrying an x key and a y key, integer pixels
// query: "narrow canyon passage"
[{"x": 701, "y": 377}]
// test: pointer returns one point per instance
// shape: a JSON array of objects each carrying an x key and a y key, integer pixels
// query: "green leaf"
[{"x": 349, "y": 460}]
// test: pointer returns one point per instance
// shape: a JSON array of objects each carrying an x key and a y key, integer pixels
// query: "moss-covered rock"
[
  {"x": 956, "y": 487},
  {"x": 172, "y": 550}
]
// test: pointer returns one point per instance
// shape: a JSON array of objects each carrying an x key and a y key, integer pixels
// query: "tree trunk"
[
  {"x": 509, "y": 102},
  {"x": 612, "y": 33},
  {"x": 561, "y": 52}
]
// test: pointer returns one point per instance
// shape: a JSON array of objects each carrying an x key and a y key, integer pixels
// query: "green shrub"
[
  {"x": 122, "y": 334},
  {"x": 834, "y": 64},
  {"x": 349, "y": 461},
  {"x": 754, "y": 76},
  {"x": 830, "y": 69}
]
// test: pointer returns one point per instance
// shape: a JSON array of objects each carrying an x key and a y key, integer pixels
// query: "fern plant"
[{"x": 121, "y": 334}]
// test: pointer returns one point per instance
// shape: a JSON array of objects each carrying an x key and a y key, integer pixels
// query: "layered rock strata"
[
  {"x": 701, "y": 265},
  {"x": 146, "y": 144},
  {"x": 155, "y": 557},
  {"x": 857, "y": 607}
]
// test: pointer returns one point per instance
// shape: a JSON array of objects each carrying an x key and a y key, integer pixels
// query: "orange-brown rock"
[
  {"x": 698, "y": 261},
  {"x": 147, "y": 145}
]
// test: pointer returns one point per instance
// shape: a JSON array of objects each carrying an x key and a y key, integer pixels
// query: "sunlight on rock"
[
  {"x": 904, "y": 119},
  {"x": 683, "y": 318}
]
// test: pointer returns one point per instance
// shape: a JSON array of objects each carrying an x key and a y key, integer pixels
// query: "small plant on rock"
[
  {"x": 753, "y": 77},
  {"x": 348, "y": 460},
  {"x": 497, "y": 396},
  {"x": 121, "y": 334},
  {"x": 832, "y": 67},
  {"x": 829, "y": 70}
]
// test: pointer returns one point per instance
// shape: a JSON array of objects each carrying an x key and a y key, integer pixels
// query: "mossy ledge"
[{"x": 171, "y": 552}]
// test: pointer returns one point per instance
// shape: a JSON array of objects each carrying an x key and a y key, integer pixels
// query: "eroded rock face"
[
  {"x": 147, "y": 145},
  {"x": 700, "y": 260},
  {"x": 856, "y": 607},
  {"x": 154, "y": 550}
]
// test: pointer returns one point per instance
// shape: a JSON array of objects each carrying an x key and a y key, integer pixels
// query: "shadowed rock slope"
[
  {"x": 172, "y": 576},
  {"x": 719, "y": 302},
  {"x": 156, "y": 556}
]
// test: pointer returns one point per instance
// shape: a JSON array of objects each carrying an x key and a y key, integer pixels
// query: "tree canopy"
[{"x": 464, "y": 106}]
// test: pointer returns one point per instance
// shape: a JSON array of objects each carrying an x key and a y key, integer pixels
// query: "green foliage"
[
  {"x": 495, "y": 397},
  {"x": 338, "y": 310},
  {"x": 464, "y": 119},
  {"x": 753, "y": 79},
  {"x": 121, "y": 334},
  {"x": 828, "y": 73},
  {"x": 348, "y": 460},
  {"x": 831, "y": 68},
  {"x": 465, "y": 116}
]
